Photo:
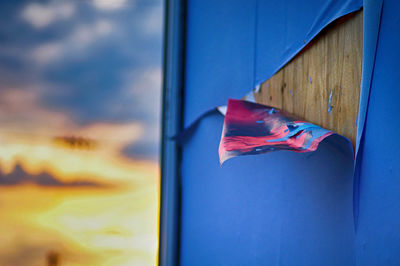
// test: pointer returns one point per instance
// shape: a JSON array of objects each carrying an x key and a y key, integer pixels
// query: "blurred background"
[{"x": 80, "y": 86}]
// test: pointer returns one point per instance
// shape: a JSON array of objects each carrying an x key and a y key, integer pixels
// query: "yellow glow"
[
  {"x": 97, "y": 226},
  {"x": 106, "y": 162},
  {"x": 85, "y": 227}
]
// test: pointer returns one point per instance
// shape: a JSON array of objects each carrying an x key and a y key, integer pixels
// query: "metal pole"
[{"x": 173, "y": 81}]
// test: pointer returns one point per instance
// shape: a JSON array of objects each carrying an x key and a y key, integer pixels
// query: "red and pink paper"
[{"x": 251, "y": 128}]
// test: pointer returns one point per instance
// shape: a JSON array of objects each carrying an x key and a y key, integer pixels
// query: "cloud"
[
  {"x": 47, "y": 52},
  {"x": 22, "y": 113},
  {"x": 142, "y": 89},
  {"x": 23, "y": 118},
  {"x": 20, "y": 110},
  {"x": 113, "y": 138},
  {"x": 85, "y": 35},
  {"x": 23, "y": 252},
  {"x": 110, "y": 5},
  {"x": 20, "y": 177},
  {"x": 153, "y": 21},
  {"x": 74, "y": 44},
  {"x": 42, "y": 15},
  {"x": 27, "y": 135}
]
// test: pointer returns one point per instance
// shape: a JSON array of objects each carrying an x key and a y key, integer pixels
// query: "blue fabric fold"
[{"x": 371, "y": 25}]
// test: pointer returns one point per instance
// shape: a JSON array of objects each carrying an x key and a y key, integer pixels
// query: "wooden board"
[{"x": 322, "y": 84}]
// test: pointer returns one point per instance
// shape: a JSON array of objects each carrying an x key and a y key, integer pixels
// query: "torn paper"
[{"x": 251, "y": 128}]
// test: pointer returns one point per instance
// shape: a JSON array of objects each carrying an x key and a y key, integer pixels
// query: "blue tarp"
[
  {"x": 283, "y": 208},
  {"x": 378, "y": 233},
  {"x": 234, "y": 45},
  {"x": 287, "y": 208}
]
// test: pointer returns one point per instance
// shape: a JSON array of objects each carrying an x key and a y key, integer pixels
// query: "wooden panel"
[{"x": 322, "y": 84}]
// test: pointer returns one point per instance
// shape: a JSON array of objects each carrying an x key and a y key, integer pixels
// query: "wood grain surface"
[{"x": 322, "y": 83}]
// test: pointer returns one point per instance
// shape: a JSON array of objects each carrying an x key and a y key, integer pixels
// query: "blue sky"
[{"x": 83, "y": 61}]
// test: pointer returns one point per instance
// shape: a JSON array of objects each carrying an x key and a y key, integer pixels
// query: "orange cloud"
[{"x": 27, "y": 137}]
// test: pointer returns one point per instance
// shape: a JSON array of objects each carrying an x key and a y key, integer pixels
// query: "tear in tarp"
[
  {"x": 372, "y": 14},
  {"x": 240, "y": 44}
]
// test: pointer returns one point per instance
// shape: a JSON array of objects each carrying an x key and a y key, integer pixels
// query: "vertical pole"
[{"x": 173, "y": 80}]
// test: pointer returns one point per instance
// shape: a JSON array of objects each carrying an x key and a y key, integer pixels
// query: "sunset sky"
[{"x": 80, "y": 86}]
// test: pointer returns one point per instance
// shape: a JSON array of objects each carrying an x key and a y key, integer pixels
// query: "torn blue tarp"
[
  {"x": 280, "y": 209},
  {"x": 232, "y": 46},
  {"x": 288, "y": 208}
]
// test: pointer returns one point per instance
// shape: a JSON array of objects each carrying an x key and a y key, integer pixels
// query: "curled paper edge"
[{"x": 251, "y": 128}]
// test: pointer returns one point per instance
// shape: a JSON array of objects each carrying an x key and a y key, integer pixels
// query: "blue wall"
[{"x": 284, "y": 208}]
